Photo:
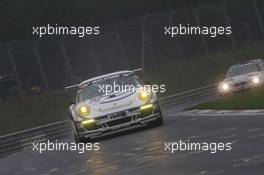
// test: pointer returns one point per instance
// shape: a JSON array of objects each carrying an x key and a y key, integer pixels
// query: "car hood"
[
  {"x": 241, "y": 78},
  {"x": 111, "y": 103},
  {"x": 115, "y": 100}
]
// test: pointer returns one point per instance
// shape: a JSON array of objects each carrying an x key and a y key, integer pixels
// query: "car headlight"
[
  {"x": 84, "y": 110},
  {"x": 256, "y": 80},
  {"x": 87, "y": 122},
  {"x": 224, "y": 87},
  {"x": 144, "y": 95}
]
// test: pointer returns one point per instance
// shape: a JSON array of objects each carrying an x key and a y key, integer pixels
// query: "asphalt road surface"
[{"x": 142, "y": 151}]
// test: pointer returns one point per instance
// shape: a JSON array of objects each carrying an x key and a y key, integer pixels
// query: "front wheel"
[
  {"x": 79, "y": 139},
  {"x": 157, "y": 122},
  {"x": 76, "y": 136}
]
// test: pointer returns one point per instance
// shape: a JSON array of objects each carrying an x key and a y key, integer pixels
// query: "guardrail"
[
  {"x": 14, "y": 142},
  {"x": 189, "y": 98},
  {"x": 21, "y": 140}
]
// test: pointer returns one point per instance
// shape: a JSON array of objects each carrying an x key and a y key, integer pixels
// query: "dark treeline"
[{"x": 17, "y": 17}]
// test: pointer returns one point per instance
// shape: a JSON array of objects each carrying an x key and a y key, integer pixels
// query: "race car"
[
  {"x": 243, "y": 76},
  {"x": 99, "y": 109}
]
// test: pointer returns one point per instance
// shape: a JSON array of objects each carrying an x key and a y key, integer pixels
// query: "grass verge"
[
  {"x": 33, "y": 111},
  {"x": 252, "y": 99}
]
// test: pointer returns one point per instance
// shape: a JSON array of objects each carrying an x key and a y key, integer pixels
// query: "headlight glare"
[
  {"x": 256, "y": 80},
  {"x": 148, "y": 106},
  {"x": 144, "y": 96},
  {"x": 84, "y": 110},
  {"x": 224, "y": 87},
  {"x": 86, "y": 122}
]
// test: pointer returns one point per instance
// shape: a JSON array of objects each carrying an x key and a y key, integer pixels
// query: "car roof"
[
  {"x": 253, "y": 61},
  {"x": 105, "y": 75}
]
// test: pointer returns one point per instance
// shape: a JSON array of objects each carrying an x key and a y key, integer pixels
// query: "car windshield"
[
  {"x": 98, "y": 87},
  {"x": 243, "y": 69}
]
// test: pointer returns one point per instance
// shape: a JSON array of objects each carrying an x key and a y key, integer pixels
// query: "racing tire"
[
  {"x": 223, "y": 95},
  {"x": 78, "y": 139},
  {"x": 157, "y": 122},
  {"x": 76, "y": 136}
]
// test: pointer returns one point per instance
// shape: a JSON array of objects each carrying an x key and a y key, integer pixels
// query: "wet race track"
[{"x": 142, "y": 151}]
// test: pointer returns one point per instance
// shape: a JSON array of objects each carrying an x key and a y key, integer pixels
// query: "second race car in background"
[{"x": 243, "y": 76}]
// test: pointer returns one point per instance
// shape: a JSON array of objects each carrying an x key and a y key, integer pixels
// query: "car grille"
[
  {"x": 119, "y": 121},
  {"x": 117, "y": 115},
  {"x": 114, "y": 115},
  {"x": 240, "y": 84}
]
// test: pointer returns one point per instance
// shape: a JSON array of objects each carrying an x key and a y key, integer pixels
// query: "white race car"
[
  {"x": 243, "y": 76},
  {"x": 100, "y": 109}
]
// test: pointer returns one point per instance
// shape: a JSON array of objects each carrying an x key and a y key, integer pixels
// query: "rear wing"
[
  {"x": 71, "y": 87},
  {"x": 77, "y": 85},
  {"x": 137, "y": 70}
]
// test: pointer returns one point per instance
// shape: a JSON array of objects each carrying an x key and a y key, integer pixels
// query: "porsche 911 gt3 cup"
[
  {"x": 243, "y": 76},
  {"x": 97, "y": 112}
]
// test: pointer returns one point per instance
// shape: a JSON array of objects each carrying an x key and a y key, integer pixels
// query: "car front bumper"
[
  {"x": 239, "y": 86},
  {"x": 112, "y": 125}
]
